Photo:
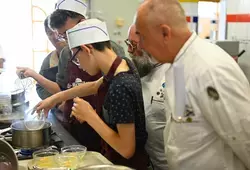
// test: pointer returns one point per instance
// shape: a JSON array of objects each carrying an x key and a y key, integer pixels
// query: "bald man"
[
  {"x": 208, "y": 128},
  {"x": 153, "y": 83}
]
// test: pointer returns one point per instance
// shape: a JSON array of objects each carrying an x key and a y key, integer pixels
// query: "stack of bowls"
[{"x": 5, "y": 104}]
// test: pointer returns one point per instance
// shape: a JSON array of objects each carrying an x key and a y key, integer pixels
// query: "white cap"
[
  {"x": 78, "y": 6},
  {"x": 87, "y": 32}
]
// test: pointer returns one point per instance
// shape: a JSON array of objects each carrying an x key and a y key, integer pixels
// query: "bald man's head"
[
  {"x": 140, "y": 58},
  {"x": 162, "y": 28},
  {"x": 164, "y": 12}
]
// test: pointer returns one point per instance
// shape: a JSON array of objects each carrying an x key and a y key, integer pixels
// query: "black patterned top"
[{"x": 124, "y": 103}]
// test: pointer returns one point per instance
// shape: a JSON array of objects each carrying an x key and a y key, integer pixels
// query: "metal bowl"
[{"x": 8, "y": 159}]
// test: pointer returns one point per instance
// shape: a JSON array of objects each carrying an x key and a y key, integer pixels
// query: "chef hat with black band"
[
  {"x": 87, "y": 32},
  {"x": 78, "y": 6}
]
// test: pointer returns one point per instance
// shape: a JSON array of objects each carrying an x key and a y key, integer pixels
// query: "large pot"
[{"x": 30, "y": 139}]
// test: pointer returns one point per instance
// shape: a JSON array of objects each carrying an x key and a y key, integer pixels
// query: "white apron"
[{"x": 153, "y": 88}]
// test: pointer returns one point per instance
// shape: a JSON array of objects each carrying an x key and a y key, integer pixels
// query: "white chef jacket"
[
  {"x": 218, "y": 137},
  {"x": 153, "y": 86}
]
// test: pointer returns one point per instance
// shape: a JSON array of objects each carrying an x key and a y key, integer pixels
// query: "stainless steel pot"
[
  {"x": 29, "y": 139},
  {"x": 18, "y": 97}
]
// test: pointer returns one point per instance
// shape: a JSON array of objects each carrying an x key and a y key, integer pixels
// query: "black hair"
[
  {"x": 46, "y": 24},
  {"x": 100, "y": 46},
  {"x": 59, "y": 17}
]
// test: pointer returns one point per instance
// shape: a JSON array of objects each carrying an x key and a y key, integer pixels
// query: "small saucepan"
[{"x": 29, "y": 139}]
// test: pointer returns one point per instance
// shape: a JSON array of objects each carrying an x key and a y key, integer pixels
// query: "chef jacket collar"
[{"x": 185, "y": 46}]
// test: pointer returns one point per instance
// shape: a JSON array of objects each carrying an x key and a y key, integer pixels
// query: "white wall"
[
  {"x": 15, "y": 31},
  {"x": 15, "y": 34},
  {"x": 240, "y": 30},
  {"x": 112, "y": 9},
  {"x": 191, "y": 10}
]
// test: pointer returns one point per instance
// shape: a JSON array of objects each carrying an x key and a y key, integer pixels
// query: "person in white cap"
[
  {"x": 208, "y": 94},
  {"x": 66, "y": 15},
  {"x": 121, "y": 123},
  {"x": 153, "y": 86}
]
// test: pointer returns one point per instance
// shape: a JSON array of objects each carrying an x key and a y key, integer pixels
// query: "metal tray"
[{"x": 91, "y": 158}]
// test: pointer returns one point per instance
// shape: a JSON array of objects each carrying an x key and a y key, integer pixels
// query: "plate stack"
[{"x": 5, "y": 104}]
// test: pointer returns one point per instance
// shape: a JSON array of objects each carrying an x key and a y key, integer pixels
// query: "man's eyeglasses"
[
  {"x": 61, "y": 36},
  {"x": 131, "y": 44},
  {"x": 74, "y": 59}
]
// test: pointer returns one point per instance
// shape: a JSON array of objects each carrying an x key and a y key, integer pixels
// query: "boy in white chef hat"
[
  {"x": 123, "y": 123},
  {"x": 67, "y": 14}
]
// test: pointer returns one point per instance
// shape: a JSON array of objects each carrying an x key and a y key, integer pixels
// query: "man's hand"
[
  {"x": 83, "y": 111},
  {"x": 46, "y": 105},
  {"x": 27, "y": 72}
]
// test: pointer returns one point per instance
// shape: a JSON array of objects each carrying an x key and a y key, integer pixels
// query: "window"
[{"x": 41, "y": 46}]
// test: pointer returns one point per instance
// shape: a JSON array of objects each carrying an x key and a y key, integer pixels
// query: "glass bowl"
[
  {"x": 67, "y": 160},
  {"x": 71, "y": 156},
  {"x": 45, "y": 158},
  {"x": 77, "y": 150},
  {"x": 34, "y": 120}
]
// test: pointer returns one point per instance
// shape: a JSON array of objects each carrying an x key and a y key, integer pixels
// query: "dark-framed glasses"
[
  {"x": 74, "y": 58},
  {"x": 62, "y": 36},
  {"x": 131, "y": 44}
]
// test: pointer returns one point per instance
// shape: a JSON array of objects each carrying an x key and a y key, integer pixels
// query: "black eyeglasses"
[
  {"x": 74, "y": 59},
  {"x": 62, "y": 36},
  {"x": 131, "y": 44}
]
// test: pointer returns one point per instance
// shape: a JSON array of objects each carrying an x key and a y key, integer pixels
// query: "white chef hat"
[
  {"x": 78, "y": 6},
  {"x": 87, "y": 32}
]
